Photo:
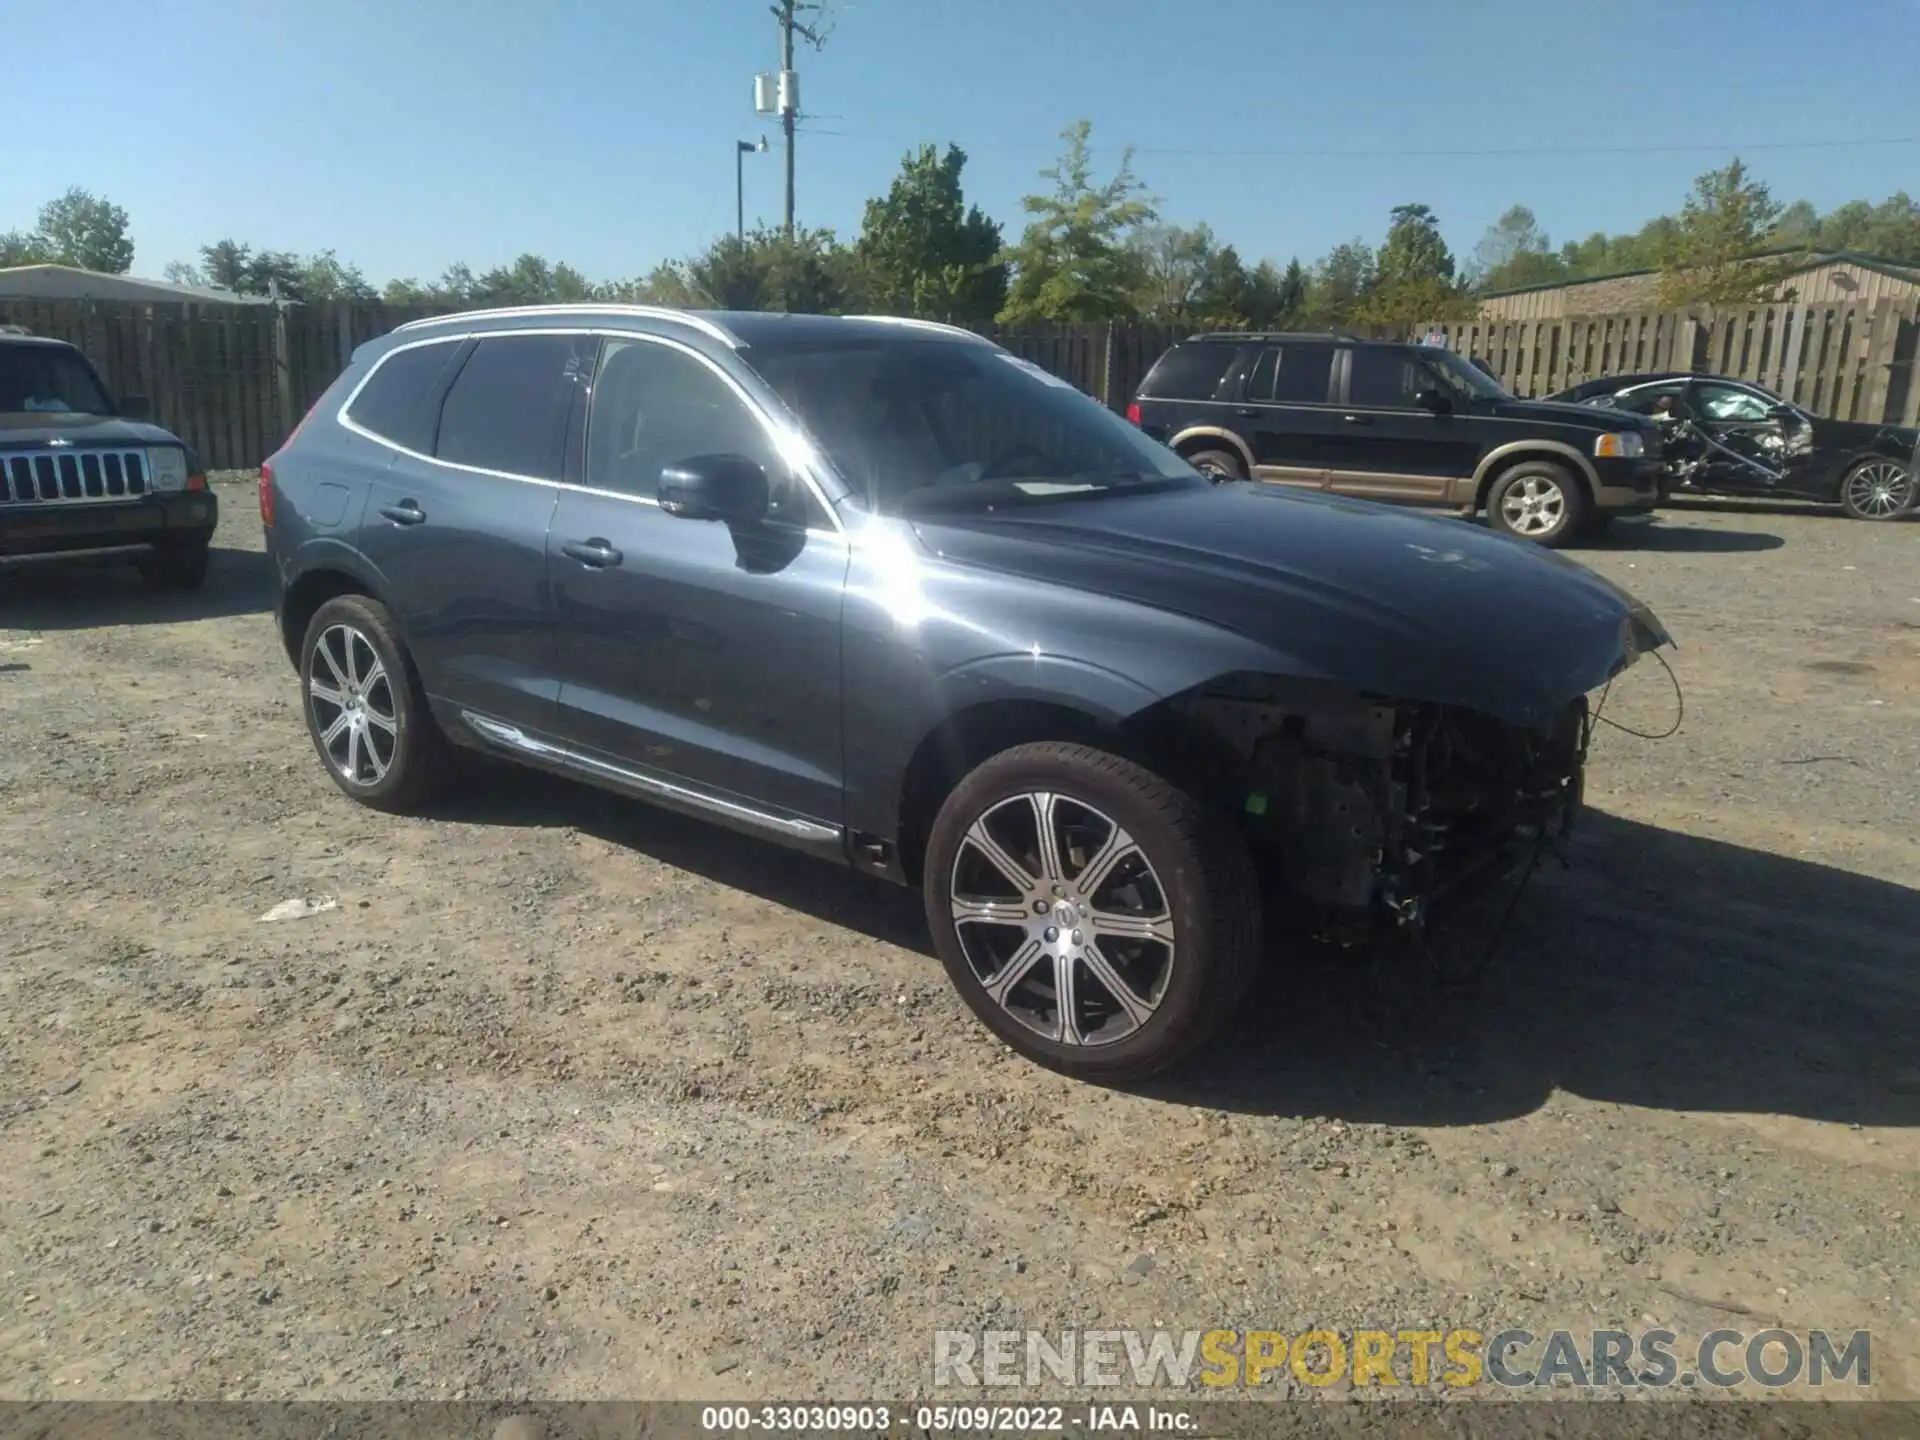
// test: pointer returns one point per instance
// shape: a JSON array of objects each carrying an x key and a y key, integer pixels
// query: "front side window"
[
  {"x": 1385, "y": 379},
  {"x": 508, "y": 407},
  {"x": 655, "y": 405},
  {"x": 919, "y": 425},
  {"x": 1724, "y": 402},
  {"x": 1463, "y": 377},
  {"x": 47, "y": 380},
  {"x": 1652, "y": 400},
  {"x": 397, "y": 402}
]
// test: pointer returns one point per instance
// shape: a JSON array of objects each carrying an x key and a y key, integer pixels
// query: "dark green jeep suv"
[{"x": 1411, "y": 424}]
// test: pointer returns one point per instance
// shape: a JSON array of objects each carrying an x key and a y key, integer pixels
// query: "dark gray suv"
[{"x": 882, "y": 591}]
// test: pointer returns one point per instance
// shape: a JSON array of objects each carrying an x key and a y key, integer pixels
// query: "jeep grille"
[{"x": 66, "y": 477}]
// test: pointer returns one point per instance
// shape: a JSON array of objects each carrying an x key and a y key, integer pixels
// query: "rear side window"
[
  {"x": 508, "y": 408},
  {"x": 396, "y": 403},
  {"x": 1292, "y": 375},
  {"x": 1388, "y": 379},
  {"x": 1188, "y": 372}
]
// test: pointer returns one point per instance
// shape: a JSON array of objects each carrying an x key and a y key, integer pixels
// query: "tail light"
[
  {"x": 266, "y": 494},
  {"x": 1133, "y": 412},
  {"x": 196, "y": 481}
]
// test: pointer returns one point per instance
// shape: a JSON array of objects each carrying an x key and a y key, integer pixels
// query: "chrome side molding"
[{"x": 511, "y": 736}]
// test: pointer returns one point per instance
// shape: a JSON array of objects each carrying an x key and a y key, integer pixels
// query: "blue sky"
[{"x": 407, "y": 134}]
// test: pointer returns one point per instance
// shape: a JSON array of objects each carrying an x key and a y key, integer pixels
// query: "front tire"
[
  {"x": 365, "y": 710},
  {"x": 1878, "y": 490},
  {"x": 1218, "y": 466},
  {"x": 1092, "y": 914},
  {"x": 1540, "y": 501}
]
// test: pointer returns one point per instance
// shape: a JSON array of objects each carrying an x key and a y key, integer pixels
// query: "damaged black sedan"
[
  {"x": 883, "y": 592},
  {"x": 1732, "y": 437}
]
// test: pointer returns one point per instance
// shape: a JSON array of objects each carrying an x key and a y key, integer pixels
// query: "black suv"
[
  {"x": 1414, "y": 424},
  {"x": 883, "y": 592},
  {"x": 83, "y": 477}
]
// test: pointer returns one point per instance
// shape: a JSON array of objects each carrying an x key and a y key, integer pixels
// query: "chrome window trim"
[
  {"x": 776, "y": 431},
  {"x": 647, "y": 312}
]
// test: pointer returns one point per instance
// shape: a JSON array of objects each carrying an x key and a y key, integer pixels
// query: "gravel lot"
[{"x": 570, "y": 1098}]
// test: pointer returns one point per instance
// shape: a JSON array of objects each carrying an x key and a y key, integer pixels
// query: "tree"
[
  {"x": 1515, "y": 253},
  {"x": 86, "y": 230},
  {"x": 1414, "y": 251},
  {"x": 225, "y": 264},
  {"x": 324, "y": 278},
  {"x": 19, "y": 247},
  {"x": 1181, "y": 271},
  {"x": 1713, "y": 255},
  {"x": 1339, "y": 282},
  {"x": 807, "y": 273},
  {"x": 1074, "y": 261},
  {"x": 275, "y": 272},
  {"x": 924, "y": 252},
  {"x": 665, "y": 284},
  {"x": 179, "y": 272}
]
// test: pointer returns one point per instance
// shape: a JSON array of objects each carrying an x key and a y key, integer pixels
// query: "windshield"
[
  {"x": 1463, "y": 376},
  {"x": 916, "y": 425},
  {"x": 46, "y": 380}
]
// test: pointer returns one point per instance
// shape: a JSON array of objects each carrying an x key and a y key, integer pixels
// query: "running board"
[{"x": 807, "y": 833}]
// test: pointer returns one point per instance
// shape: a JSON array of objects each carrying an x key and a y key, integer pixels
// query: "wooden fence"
[
  {"x": 1850, "y": 362},
  {"x": 233, "y": 380}
]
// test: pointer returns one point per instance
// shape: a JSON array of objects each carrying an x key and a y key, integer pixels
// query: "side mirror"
[
  {"x": 133, "y": 407},
  {"x": 715, "y": 487},
  {"x": 1785, "y": 414},
  {"x": 1438, "y": 401}
]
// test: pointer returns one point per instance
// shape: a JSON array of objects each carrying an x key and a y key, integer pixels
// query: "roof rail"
[
  {"x": 652, "y": 312},
  {"x": 1274, "y": 335},
  {"x": 922, "y": 325},
  {"x": 14, "y": 330}
]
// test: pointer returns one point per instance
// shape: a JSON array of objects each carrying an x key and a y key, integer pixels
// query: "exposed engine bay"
[{"x": 1376, "y": 814}]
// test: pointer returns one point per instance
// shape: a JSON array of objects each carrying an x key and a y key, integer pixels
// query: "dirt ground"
[{"x": 571, "y": 1098}]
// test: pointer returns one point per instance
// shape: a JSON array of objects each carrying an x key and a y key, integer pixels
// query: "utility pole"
[{"x": 789, "y": 13}]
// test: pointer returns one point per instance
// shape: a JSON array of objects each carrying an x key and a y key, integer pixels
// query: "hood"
[
  {"x": 1560, "y": 412},
  {"x": 31, "y": 431},
  {"x": 1383, "y": 600}
]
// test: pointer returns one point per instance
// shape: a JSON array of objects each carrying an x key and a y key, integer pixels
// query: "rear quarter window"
[
  {"x": 397, "y": 402},
  {"x": 1188, "y": 372}
]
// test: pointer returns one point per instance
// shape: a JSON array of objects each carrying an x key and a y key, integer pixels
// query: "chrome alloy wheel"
[
  {"x": 350, "y": 700},
  {"x": 1533, "y": 506},
  {"x": 1880, "y": 489},
  {"x": 1062, "y": 919}
]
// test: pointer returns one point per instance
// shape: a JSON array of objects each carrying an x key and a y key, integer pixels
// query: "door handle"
[
  {"x": 595, "y": 554},
  {"x": 1357, "y": 419},
  {"x": 407, "y": 512},
  {"x": 1247, "y": 411}
]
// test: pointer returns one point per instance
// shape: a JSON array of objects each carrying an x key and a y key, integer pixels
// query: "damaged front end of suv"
[{"x": 1371, "y": 817}]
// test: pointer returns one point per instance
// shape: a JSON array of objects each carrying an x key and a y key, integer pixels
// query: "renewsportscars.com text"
[{"x": 1459, "y": 1358}]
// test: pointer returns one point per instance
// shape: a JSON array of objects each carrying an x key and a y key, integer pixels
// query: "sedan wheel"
[
  {"x": 1878, "y": 490},
  {"x": 1092, "y": 914}
]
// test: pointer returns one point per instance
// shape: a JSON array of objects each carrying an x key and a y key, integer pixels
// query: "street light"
[{"x": 743, "y": 148}]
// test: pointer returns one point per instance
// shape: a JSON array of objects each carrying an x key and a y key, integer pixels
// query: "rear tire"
[
  {"x": 1217, "y": 465},
  {"x": 1878, "y": 489},
  {"x": 365, "y": 709},
  {"x": 175, "y": 567},
  {"x": 1154, "y": 952},
  {"x": 1540, "y": 501}
]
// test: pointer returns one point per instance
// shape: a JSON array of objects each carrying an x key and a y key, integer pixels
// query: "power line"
[{"x": 1490, "y": 151}]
